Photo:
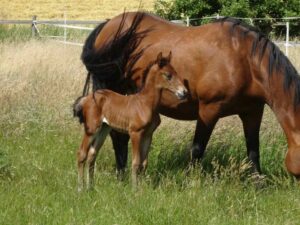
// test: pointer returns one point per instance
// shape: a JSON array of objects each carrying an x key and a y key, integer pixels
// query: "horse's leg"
[
  {"x": 136, "y": 165},
  {"x": 120, "y": 144},
  {"x": 81, "y": 158},
  {"x": 251, "y": 124},
  {"x": 292, "y": 161},
  {"x": 98, "y": 141},
  {"x": 208, "y": 117}
]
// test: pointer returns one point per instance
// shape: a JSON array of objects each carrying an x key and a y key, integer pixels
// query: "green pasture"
[
  {"x": 38, "y": 182},
  {"x": 39, "y": 81}
]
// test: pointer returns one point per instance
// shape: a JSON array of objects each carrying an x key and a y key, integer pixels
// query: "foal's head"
[
  {"x": 87, "y": 111},
  {"x": 165, "y": 76}
]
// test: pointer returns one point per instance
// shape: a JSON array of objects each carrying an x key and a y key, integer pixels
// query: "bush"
[{"x": 176, "y": 9}]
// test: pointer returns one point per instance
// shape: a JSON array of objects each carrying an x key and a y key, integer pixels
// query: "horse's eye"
[{"x": 168, "y": 76}]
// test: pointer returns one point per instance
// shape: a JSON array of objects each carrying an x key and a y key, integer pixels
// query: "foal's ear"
[
  {"x": 169, "y": 57},
  {"x": 159, "y": 59}
]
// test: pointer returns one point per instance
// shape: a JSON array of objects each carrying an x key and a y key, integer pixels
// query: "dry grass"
[
  {"x": 49, "y": 75},
  {"x": 294, "y": 55},
  {"x": 38, "y": 75},
  {"x": 75, "y": 9}
]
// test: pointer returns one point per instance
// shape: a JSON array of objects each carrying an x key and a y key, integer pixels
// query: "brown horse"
[
  {"x": 229, "y": 68},
  {"x": 136, "y": 115}
]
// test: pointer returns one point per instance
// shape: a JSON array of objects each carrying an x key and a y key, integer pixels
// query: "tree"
[{"x": 267, "y": 9}]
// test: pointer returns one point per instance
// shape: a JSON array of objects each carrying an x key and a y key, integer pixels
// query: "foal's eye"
[{"x": 168, "y": 76}]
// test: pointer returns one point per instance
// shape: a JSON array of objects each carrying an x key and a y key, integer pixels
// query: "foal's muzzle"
[{"x": 181, "y": 94}]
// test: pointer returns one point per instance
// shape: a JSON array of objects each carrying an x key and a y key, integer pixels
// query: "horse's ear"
[{"x": 169, "y": 57}]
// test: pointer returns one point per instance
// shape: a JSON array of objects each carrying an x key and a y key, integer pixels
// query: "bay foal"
[{"x": 135, "y": 114}]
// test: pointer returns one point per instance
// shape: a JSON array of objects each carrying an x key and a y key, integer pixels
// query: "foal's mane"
[{"x": 278, "y": 62}]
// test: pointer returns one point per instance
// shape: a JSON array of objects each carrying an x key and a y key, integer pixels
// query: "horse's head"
[{"x": 166, "y": 76}]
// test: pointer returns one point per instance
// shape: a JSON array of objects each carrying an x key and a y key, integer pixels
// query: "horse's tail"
[
  {"x": 88, "y": 52},
  {"x": 78, "y": 108},
  {"x": 107, "y": 63},
  {"x": 86, "y": 85}
]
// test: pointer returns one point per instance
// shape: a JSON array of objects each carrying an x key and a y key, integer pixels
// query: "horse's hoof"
[{"x": 258, "y": 180}]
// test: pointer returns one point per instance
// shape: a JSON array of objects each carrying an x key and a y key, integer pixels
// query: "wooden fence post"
[{"x": 33, "y": 28}]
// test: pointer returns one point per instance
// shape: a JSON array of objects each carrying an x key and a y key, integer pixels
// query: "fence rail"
[{"x": 69, "y": 24}]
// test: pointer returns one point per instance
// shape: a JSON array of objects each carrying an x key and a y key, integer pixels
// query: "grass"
[
  {"x": 38, "y": 137},
  {"x": 75, "y": 9}
]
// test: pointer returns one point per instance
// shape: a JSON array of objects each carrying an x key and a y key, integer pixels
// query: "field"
[
  {"x": 39, "y": 81},
  {"x": 76, "y": 9}
]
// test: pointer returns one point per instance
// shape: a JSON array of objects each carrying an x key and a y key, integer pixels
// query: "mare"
[
  {"x": 228, "y": 67},
  {"x": 137, "y": 115}
]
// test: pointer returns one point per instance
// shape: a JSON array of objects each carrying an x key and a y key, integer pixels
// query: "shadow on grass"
[{"x": 226, "y": 160}]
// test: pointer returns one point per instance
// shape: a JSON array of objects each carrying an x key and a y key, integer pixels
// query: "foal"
[{"x": 136, "y": 115}]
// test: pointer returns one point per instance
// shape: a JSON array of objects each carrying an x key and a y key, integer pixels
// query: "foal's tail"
[{"x": 78, "y": 108}]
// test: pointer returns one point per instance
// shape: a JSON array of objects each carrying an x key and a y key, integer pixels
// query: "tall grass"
[
  {"x": 21, "y": 33},
  {"x": 39, "y": 81},
  {"x": 13, "y": 33}
]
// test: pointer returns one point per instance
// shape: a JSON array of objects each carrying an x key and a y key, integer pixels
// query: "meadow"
[
  {"x": 75, "y": 9},
  {"x": 39, "y": 81}
]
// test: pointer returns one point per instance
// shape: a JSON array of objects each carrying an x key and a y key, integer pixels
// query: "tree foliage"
[{"x": 177, "y": 9}]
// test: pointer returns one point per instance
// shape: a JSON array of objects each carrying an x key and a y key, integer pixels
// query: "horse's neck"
[{"x": 281, "y": 101}]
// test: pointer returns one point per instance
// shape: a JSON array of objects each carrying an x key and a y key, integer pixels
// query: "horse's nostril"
[{"x": 182, "y": 94}]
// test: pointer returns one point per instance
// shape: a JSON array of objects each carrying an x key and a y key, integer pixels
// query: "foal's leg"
[
  {"x": 147, "y": 140},
  {"x": 208, "y": 117},
  {"x": 97, "y": 143},
  {"x": 251, "y": 124},
  {"x": 120, "y": 144},
  {"x": 81, "y": 158},
  {"x": 136, "y": 165}
]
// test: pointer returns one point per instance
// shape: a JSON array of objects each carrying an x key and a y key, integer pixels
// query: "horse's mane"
[
  {"x": 108, "y": 63},
  {"x": 278, "y": 62}
]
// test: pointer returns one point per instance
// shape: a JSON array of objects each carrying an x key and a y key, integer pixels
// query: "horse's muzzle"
[{"x": 181, "y": 94}]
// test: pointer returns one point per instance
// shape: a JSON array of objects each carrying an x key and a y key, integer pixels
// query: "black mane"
[
  {"x": 108, "y": 64},
  {"x": 278, "y": 62}
]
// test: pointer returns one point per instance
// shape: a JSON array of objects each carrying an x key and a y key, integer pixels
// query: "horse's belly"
[{"x": 182, "y": 111}]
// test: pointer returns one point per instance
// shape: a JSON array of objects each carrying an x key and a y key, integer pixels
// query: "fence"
[
  {"x": 63, "y": 24},
  {"x": 67, "y": 25}
]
